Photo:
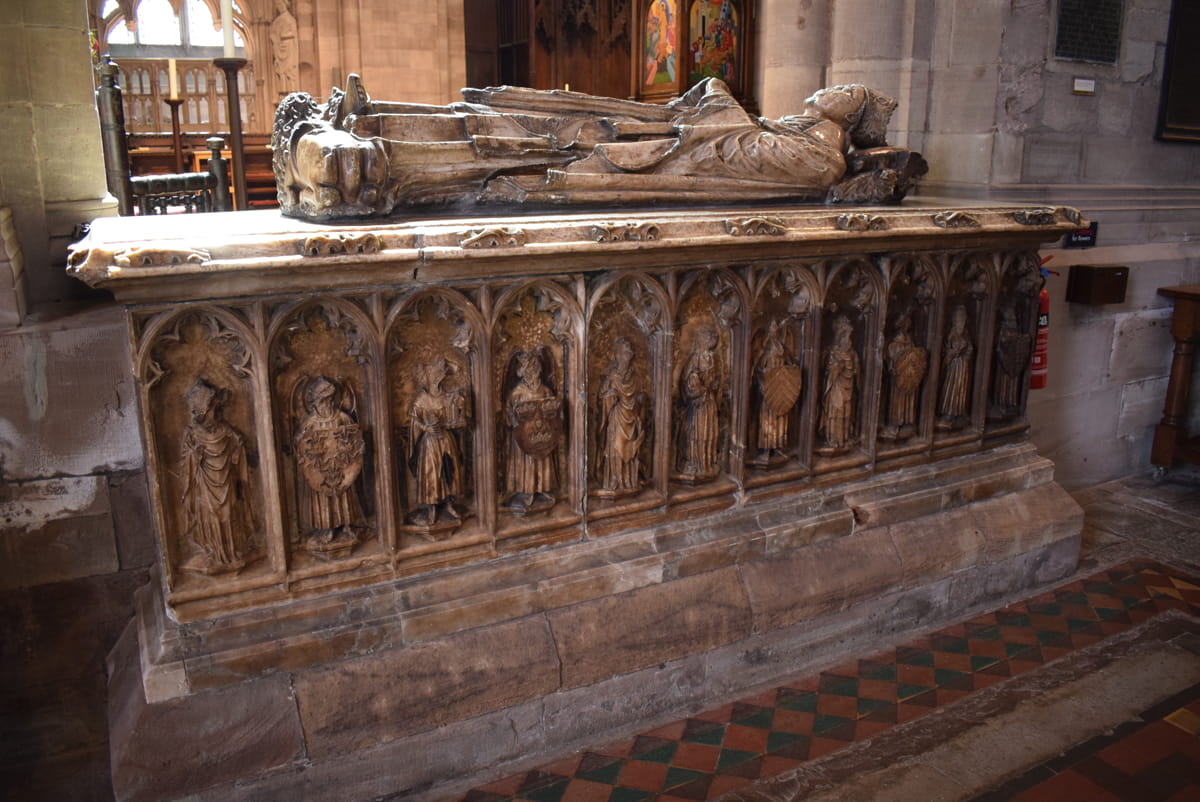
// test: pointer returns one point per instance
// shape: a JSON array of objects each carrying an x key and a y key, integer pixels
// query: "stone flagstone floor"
[{"x": 818, "y": 736}]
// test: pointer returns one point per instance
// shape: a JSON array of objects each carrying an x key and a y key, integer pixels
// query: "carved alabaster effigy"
[{"x": 357, "y": 157}]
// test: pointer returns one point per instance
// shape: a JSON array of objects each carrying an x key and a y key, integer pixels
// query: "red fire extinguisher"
[{"x": 1041, "y": 349}]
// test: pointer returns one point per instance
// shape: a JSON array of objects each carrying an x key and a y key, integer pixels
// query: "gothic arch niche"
[
  {"x": 706, "y": 391},
  {"x": 846, "y": 409},
  {"x": 196, "y": 373},
  {"x": 536, "y": 370},
  {"x": 627, "y": 362},
  {"x": 962, "y": 362},
  {"x": 434, "y": 375},
  {"x": 784, "y": 325},
  {"x": 910, "y": 331},
  {"x": 322, "y": 392},
  {"x": 1015, "y": 334}
]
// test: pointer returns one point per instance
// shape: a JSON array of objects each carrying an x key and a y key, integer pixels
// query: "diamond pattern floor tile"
[{"x": 720, "y": 750}]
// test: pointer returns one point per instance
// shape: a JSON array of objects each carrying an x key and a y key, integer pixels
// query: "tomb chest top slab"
[{"x": 193, "y": 257}]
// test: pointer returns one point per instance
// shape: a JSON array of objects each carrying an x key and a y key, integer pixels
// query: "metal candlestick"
[
  {"x": 231, "y": 66},
  {"x": 176, "y": 140}
]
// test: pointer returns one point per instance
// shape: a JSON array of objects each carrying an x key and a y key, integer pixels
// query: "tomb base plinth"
[{"x": 430, "y": 684}]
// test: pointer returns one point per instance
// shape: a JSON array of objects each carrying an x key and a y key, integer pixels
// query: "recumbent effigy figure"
[{"x": 356, "y": 157}]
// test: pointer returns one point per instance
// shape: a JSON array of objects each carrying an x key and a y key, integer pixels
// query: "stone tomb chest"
[{"x": 437, "y": 472}]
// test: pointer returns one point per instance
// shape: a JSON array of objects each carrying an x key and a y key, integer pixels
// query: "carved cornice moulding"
[{"x": 176, "y": 258}]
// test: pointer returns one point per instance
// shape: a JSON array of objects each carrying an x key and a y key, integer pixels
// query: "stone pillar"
[
  {"x": 793, "y": 54},
  {"x": 52, "y": 169},
  {"x": 886, "y": 46}
]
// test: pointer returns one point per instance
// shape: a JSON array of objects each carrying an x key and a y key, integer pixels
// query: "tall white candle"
[
  {"x": 227, "y": 27},
  {"x": 174, "y": 79}
]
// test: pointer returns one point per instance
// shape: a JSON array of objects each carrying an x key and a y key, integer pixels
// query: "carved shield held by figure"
[
  {"x": 910, "y": 369},
  {"x": 781, "y": 388},
  {"x": 329, "y": 454},
  {"x": 539, "y": 428}
]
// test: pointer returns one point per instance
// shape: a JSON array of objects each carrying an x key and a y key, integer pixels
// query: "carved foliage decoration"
[
  {"x": 622, "y": 361},
  {"x": 785, "y": 314},
  {"x": 907, "y": 338},
  {"x": 702, "y": 377},
  {"x": 321, "y": 397},
  {"x": 200, "y": 402},
  {"x": 971, "y": 280},
  {"x": 1016, "y": 328},
  {"x": 431, "y": 364},
  {"x": 851, "y": 304},
  {"x": 531, "y": 346}
]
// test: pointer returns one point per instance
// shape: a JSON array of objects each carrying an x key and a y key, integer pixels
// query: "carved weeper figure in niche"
[
  {"x": 436, "y": 461},
  {"x": 534, "y": 415},
  {"x": 1013, "y": 350},
  {"x": 698, "y": 388},
  {"x": 622, "y": 426},
  {"x": 906, "y": 364},
  {"x": 839, "y": 398},
  {"x": 329, "y": 454},
  {"x": 958, "y": 359},
  {"x": 354, "y": 157},
  {"x": 780, "y": 381},
  {"x": 218, "y": 512}
]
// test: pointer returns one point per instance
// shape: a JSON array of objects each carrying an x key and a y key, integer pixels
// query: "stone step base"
[{"x": 452, "y": 674}]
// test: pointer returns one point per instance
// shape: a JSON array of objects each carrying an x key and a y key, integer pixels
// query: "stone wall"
[{"x": 416, "y": 49}]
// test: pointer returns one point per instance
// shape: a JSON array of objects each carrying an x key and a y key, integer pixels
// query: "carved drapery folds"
[
  {"x": 626, "y": 324},
  {"x": 197, "y": 374},
  {"x": 379, "y": 431},
  {"x": 851, "y": 303},
  {"x": 703, "y": 381},
  {"x": 433, "y": 367}
]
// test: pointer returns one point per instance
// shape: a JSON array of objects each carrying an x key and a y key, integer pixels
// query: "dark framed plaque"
[{"x": 1179, "y": 105}]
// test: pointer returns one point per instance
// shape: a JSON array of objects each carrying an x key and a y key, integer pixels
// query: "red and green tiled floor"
[{"x": 737, "y": 744}]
